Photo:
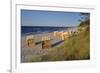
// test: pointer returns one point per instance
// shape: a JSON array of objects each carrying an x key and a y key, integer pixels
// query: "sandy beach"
[
  {"x": 59, "y": 49},
  {"x": 27, "y": 53}
]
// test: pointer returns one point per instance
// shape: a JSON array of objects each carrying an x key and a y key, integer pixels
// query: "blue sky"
[{"x": 49, "y": 18}]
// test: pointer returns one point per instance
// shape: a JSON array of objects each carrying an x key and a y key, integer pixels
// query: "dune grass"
[{"x": 77, "y": 47}]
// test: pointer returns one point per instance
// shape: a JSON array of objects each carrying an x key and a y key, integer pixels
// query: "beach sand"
[{"x": 28, "y": 53}]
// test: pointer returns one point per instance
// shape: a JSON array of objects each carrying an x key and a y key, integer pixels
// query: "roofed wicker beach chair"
[
  {"x": 65, "y": 35},
  {"x": 30, "y": 41},
  {"x": 46, "y": 42}
]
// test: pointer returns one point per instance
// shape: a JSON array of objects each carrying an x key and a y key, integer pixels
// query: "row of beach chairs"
[
  {"x": 46, "y": 40},
  {"x": 61, "y": 35}
]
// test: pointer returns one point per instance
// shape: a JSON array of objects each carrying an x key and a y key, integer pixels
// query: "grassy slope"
[{"x": 79, "y": 46}]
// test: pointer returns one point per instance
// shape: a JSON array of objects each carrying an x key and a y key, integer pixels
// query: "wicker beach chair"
[{"x": 30, "y": 41}]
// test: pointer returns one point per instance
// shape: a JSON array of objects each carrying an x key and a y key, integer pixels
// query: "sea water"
[{"x": 27, "y": 30}]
